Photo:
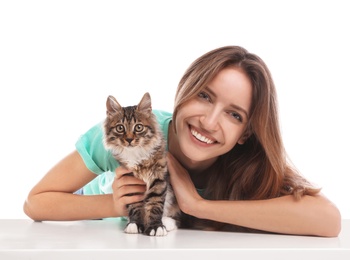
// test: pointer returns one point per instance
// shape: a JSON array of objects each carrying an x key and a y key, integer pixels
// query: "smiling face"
[{"x": 214, "y": 121}]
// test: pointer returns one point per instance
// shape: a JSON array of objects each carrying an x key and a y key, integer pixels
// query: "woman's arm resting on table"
[
  {"x": 312, "y": 215},
  {"x": 53, "y": 199}
]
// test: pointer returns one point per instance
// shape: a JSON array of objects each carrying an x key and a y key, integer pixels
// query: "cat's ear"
[
  {"x": 145, "y": 104},
  {"x": 113, "y": 106}
]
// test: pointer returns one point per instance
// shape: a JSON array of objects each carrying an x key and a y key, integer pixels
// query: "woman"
[{"x": 224, "y": 143}]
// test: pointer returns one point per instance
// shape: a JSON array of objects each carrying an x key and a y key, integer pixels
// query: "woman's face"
[{"x": 213, "y": 122}]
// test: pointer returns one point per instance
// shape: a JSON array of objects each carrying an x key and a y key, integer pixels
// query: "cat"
[{"x": 133, "y": 136}]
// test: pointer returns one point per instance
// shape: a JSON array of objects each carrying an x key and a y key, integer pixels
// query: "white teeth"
[{"x": 201, "y": 137}]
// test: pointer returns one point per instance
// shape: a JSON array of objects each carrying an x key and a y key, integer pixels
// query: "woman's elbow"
[
  {"x": 29, "y": 209},
  {"x": 26, "y": 209},
  {"x": 332, "y": 223},
  {"x": 336, "y": 224}
]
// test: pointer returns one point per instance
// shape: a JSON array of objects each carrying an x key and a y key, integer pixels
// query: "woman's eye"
[
  {"x": 120, "y": 128},
  {"x": 204, "y": 95},
  {"x": 139, "y": 127},
  {"x": 237, "y": 116}
]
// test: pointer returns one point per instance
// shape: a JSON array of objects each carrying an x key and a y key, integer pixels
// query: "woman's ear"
[
  {"x": 244, "y": 137},
  {"x": 242, "y": 140}
]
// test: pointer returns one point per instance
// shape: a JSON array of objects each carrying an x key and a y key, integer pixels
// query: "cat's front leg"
[
  {"x": 154, "y": 207},
  {"x": 135, "y": 224}
]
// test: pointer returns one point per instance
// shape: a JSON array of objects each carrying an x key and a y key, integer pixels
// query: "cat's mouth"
[{"x": 202, "y": 138}]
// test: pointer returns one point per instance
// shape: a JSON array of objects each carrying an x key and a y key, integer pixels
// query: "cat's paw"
[
  {"x": 169, "y": 223},
  {"x": 158, "y": 231},
  {"x": 133, "y": 228}
]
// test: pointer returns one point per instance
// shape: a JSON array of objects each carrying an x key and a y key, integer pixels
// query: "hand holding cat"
[
  {"x": 127, "y": 189},
  {"x": 184, "y": 189}
]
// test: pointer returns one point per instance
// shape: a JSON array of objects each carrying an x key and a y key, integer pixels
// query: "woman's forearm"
[
  {"x": 67, "y": 206},
  {"x": 308, "y": 216}
]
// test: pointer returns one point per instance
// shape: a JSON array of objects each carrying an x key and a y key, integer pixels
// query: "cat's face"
[
  {"x": 127, "y": 128},
  {"x": 131, "y": 126}
]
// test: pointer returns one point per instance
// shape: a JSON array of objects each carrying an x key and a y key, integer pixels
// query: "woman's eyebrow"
[{"x": 236, "y": 107}]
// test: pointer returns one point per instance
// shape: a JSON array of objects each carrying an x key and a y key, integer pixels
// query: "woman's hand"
[
  {"x": 185, "y": 191},
  {"x": 127, "y": 189}
]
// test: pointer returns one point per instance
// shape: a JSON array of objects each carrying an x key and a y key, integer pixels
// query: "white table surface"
[{"x": 105, "y": 239}]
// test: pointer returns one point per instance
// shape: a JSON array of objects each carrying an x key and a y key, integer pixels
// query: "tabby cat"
[{"x": 134, "y": 137}]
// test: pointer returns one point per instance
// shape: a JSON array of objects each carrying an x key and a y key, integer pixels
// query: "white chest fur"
[{"x": 132, "y": 156}]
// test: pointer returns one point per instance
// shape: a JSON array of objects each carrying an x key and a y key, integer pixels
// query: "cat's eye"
[
  {"x": 138, "y": 128},
  {"x": 120, "y": 128}
]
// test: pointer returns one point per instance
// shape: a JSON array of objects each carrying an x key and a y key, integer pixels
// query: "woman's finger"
[
  {"x": 121, "y": 171},
  {"x": 124, "y": 177},
  {"x": 131, "y": 190}
]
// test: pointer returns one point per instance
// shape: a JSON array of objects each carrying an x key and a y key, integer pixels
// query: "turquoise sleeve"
[{"x": 90, "y": 147}]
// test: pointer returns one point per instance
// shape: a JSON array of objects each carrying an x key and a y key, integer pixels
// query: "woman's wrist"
[
  {"x": 198, "y": 209},
  {"x": 114, "y": 209}
]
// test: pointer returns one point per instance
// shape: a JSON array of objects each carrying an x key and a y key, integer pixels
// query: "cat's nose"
[{"x": 129, "y": 140}]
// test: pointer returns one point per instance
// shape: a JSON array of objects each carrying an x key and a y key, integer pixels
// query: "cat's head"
[{"x": 131, "y": 126}]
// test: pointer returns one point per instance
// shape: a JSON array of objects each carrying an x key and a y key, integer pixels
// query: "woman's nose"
[{"x": 210, "y": 120}]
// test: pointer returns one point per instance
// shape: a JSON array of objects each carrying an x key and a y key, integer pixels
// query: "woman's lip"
[{"x": 201, "y": 137}]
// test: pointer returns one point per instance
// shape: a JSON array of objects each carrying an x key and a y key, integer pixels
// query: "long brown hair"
[{"x": 259, "y": 168}]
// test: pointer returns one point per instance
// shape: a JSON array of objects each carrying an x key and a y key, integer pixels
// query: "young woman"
[{"x": 226, "y": 159}]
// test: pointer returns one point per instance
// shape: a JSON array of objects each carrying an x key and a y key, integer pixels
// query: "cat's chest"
[{"x": 134, "y": 157}]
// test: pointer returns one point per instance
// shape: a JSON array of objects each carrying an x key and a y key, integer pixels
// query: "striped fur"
[{"x": 133, "y": 136}]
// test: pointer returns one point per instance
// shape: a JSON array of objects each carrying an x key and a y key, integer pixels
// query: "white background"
[{"x": 59, "y": 60}]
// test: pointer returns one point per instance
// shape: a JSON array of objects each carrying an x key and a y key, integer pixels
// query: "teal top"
[{"x": 100, "y": 161}]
